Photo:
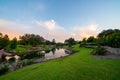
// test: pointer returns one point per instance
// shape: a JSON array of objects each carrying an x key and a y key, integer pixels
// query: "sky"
[{"x": 59, "y": 19}]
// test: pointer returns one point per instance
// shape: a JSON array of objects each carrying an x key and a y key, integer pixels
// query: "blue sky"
[{"x": 58, "y": 19}]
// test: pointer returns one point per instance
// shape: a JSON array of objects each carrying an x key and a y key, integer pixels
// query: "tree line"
[
  {"x": 26, "y": 39},
  {"x": 108, "y": 37}
]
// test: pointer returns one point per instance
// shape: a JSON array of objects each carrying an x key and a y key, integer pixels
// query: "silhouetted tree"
[
  {"x": 70, "y": 42},
  {"x": 31, "y": 39},
  {"x": 83, "y": 42},
  {"x": 53, "y": 41},
  {"x": 4, "y": 40},
  {"x": 109, "y": 37},
  {"x": 106, "y": 33},
  {"x": 113, "y": 40},
  {"x": 91, "y": 39},
  {"x": 47, "y": 42},
  {"x": 13, "y": 43}
]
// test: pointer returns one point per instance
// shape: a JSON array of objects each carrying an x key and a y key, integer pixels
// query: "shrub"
[
  {"x": 82, "y": 44},
  {"x": 4, "y": 68},
  {"x": 26, "y": 62},
  {"x": 30, "y": 55},
  {"x": 13, "y": 43},
  {"x": 99, "y": 51}
]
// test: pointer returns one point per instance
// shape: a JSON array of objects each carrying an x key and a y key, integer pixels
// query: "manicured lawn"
[
  {"x": 20, "y": 48},
  {"x": 79, "y": 66}
]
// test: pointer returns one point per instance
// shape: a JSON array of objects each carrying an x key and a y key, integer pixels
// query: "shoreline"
[
  {"x": 42, "y": 61},
  {"x": 48, "y": 60}
]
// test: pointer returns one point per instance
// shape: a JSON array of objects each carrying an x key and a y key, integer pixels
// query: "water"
[
  {"x": 55, "y": 54},
  {"x": 36, "y": 56}
]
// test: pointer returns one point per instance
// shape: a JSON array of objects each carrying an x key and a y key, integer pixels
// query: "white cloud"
[
  {"x": 48, "y": 29},
  {"x": 85, "y": 31},
  {"x": 50, "y": 24},
  {"x": 13, "y": 29},
  {"x": 53, "y": 30}
]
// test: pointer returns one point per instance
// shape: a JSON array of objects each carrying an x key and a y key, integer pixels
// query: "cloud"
[
  {"x": 81, "y": 32},
  {"x": 50, "y": 24},
  {"x": 48, "y": 29},
  {"x": 13, "y": 29},
  {"x": 53, "y": 30}
]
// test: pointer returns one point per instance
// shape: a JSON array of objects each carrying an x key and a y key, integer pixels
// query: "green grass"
[
  {"x": 79, "y": 66},
  {"x": 19, "y": 48}
]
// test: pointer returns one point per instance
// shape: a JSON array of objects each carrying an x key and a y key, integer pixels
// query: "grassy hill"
[{"x": 79, "y": 66}]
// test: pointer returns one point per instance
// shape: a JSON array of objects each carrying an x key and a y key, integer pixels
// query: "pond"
[
  {"x": 40, "y": 55},
  {"x": 15, "y": 62},
  {"x": 55, "y": 53}
]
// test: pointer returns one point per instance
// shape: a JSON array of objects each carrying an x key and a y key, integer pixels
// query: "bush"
[
  {"x": 26, "y": 62},
  {"x": 4, "y": 68},
  {"x": 82, "y": 44},
  {"x": 99, "y": 51},
  {"x": 13, "y": 43},
  {"x": 30, "y": 55}
]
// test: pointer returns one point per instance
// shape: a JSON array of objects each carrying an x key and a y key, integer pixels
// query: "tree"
[
  {"x": 53, "y": 41},
  {"x": 13, "y": 43},
  {"x": 114, "y": 40},
  {"x": 109, "y": 37},
  {"x": 31, "y": 39},
  {"x": 83, "y": 42},
  {"x": 91, "y": 39},
  {"x": 70, "y": 42},
  {"x": 106, "y": 33},
  {"x": 60, "y": 44},
  {"x": 47, "y": 42},
  {"x": 4, "y": 40}
]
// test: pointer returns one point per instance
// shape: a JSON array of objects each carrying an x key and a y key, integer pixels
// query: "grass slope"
[{"x": 80, "y": 66}]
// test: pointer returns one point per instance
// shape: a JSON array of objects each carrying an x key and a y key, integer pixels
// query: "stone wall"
[{"x": 113, "y": 50}]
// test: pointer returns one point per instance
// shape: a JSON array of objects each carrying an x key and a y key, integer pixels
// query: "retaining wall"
[{"x": 113, "y": 50}]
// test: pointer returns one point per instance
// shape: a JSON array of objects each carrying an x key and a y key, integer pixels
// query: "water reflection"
[
  {"x": 47, "y": 51},
  {"x": 49, "y": 54},
  {"x": 53, "y": 50},
  {"x": 31, "y": 57},
  {"x": 55, "y": 53}
]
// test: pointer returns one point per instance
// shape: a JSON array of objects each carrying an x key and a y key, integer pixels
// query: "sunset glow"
[{"x": 51, "y": 20}]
